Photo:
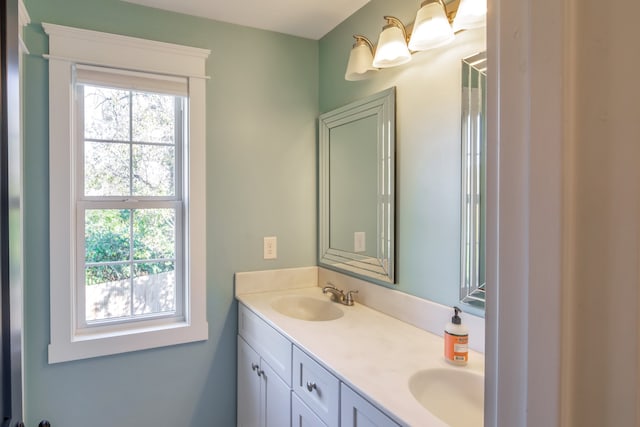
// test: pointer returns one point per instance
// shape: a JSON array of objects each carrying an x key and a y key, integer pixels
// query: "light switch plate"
[
  {"x": 359, "y": 241},
  {"x": 270, "y": 247}
]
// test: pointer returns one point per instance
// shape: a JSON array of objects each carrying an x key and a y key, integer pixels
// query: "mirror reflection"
[
  {"x": 352, "y": 185},
  {"x": 474, "y": 186},
  {"x": 356, "y": 188}
]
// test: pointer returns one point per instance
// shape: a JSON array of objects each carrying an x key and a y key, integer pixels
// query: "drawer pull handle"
[
  {"x": 256, "y": 369},
  {"x": 311, "y": 386}
]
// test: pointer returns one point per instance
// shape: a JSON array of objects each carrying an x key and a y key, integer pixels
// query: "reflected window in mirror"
[
  {"x": 356, "y": 188},
  {"x": 474, "y": 159}
]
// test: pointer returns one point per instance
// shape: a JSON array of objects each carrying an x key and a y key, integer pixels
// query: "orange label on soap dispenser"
[{"x": 456, "y": 349}]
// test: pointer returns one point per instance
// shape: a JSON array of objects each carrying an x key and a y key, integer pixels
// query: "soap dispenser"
[{"x": 456, "y": 339}]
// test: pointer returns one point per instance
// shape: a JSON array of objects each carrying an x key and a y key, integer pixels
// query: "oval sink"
[
  {"x": 307, "y": 308},
  {"x": 454, "y": 396}
]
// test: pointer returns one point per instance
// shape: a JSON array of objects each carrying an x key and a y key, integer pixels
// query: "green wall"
[
  {"x": 428, "y": 115},
  {"x": 263, "y": 99},
  {"x": 262, "y": 105}
]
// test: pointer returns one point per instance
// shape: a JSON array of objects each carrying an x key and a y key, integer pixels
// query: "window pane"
[
  {"x": 154, "y": 288},
  {"x": 153, "y": 170},
  {"x": 106, "y": 169},
  {"x": 129, "y": 150},
  {"x": 106, "y": 235},
  {"x": 108, "y": 291},
  {"x": 106, "y": 113},
  {"x": 153, "y": 117},
  {"x": 154, "y": 234}
]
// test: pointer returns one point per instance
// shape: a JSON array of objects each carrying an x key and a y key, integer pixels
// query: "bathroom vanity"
[{"x": 304, "y": 360}]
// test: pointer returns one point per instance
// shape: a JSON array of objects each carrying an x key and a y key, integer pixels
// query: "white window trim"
[{"x": 69, "y": 46}]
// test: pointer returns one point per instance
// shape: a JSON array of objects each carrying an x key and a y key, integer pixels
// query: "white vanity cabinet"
[
  {"x": 264, "y": 374},
  {"x": 302, "y": 416},
  {"x": 263, "y": 397},
  {"x": 358, "y": 412},
  {"x": 279, "y": 385}
]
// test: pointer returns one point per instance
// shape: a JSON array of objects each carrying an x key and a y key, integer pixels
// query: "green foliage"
[
  {"x": 108, "y": 240},
  {"x": 106, "y": 273},
  {"x": 107, "y": 235}
]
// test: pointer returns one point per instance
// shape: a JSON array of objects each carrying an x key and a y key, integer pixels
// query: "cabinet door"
[
  {"x": 277, "y": 396},
  {"x": 302, "y": 416},
  {"x": 269, "y": 343},
  {"x": 249, "y": 400},
  {"x": 357, "y": 412}
]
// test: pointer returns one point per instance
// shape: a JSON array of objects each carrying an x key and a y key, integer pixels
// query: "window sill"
[{"x": 88, "y": 344}]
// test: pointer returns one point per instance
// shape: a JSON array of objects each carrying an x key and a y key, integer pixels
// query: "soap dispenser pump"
[{"x": 456, "y": 340}]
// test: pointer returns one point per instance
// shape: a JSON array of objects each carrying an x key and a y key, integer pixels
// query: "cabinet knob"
[
  {"x": 254, "y": 367},
  {"x": 311, "y": 386}
]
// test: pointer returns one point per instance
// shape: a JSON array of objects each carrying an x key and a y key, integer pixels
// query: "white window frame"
[{"x": 68, "y": 47}]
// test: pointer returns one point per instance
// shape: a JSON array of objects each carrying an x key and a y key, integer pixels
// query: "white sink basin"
[
  {"x": 307, "y": 308},
  {"x": 456, "y": 396}
]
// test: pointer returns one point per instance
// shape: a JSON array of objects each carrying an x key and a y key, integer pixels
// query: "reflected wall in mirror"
[
  {"x": 356, "y": 188},
  {"x": 474, "y": 160}
]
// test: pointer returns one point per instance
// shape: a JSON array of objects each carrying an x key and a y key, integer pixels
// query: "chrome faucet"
[{"x": 339, "y": 296}]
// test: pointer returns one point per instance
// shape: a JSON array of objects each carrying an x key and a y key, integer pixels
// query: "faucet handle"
[{"x": 349, "y": 298}]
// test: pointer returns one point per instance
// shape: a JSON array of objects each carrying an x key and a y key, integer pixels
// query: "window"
[
  {"x": 129, "y": 207},
  {"x": 127, "y": 195}
]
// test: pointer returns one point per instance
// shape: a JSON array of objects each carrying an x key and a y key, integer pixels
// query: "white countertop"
[{"x": 373, "y": 353}]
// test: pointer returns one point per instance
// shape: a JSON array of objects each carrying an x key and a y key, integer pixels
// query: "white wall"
[
  {"x": 563, "y": 320},
  {"x": 603, "y": 380}
]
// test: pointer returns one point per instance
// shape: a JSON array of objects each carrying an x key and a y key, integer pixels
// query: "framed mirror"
[
  {"x": 357, "y": 188},
  {"x": 474, "y": 185}
]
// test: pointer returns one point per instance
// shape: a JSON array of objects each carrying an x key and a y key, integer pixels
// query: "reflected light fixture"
[
  {"x": 392, "y": 47},
  {"x": 431, "y": 28},
  {"x": 471, "y": 14},
  {"x": 360, "y": 65}
]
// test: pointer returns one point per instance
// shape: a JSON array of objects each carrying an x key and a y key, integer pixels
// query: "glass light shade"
[
  {"x": 471, "y": 14},
  {"x": 392, "y": 48},
  {"x": 431, "y": 28},
  {"x": 360, "y": 65}
]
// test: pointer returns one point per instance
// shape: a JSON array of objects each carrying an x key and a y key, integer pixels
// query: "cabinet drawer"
[
  {"x": 358, "y": 412},
  {"x": 302, "y": 416},
  {"x": 272, "y": 346},
  {"x": 317, "y": 387}
]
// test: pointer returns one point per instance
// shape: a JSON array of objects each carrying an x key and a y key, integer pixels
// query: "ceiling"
[{"x": 310, "y": 19}]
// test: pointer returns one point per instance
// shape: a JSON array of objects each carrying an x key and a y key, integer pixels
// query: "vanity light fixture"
[
  {"x": 360, "y": 65},
  {"x": 392, "y": 47},
  {"x": 471, "y": 14},
  {"x": 435, "y": 25},
  {"x": 432, "y": 27}
]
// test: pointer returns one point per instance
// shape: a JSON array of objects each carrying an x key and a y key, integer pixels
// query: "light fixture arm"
[
  {"x": 392, "y": 21},
  {"x": 360, "y": 39}
]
